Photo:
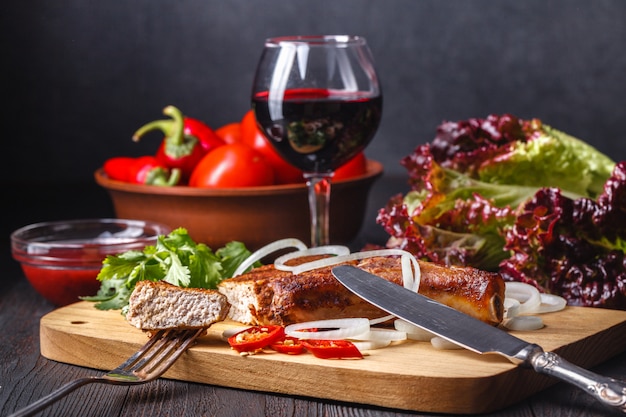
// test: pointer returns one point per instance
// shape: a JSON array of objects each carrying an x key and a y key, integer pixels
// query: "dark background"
[{"x": 79, "y": 76}]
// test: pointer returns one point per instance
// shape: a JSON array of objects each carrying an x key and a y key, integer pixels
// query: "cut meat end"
[
  {"x": 243, "y": 301},
  {"x": 160, "y": 305}
]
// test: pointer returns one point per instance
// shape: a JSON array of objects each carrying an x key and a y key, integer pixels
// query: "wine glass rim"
[{"x": 315, "y": 40}]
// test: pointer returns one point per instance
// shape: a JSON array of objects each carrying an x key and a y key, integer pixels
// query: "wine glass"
[{"x": 318, "y": 100}]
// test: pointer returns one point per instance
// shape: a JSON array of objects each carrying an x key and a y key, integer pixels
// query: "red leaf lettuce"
[{"x": 519, "y": 197}]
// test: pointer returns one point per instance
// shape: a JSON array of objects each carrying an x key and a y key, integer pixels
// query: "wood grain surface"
[{"x": 410, "y": 375}]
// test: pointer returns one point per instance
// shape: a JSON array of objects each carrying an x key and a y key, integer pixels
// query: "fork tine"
[
  {"x": 162, "y": 360},
  {"x": 141, "y": 352},
  {"x": 166, "y": 346},
  {"x": 156, "y": 357}
]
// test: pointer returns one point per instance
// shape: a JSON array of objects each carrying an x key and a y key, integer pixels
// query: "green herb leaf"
[
  {"x": 232, "y": 255},
  {"x": 175, "y": 258}
]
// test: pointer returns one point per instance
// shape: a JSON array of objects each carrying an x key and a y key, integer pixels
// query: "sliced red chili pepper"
[
  {"x": 289, "y": 345},
  {"x": 255, "y": 338},
  {"x": 332, "y": 349}
]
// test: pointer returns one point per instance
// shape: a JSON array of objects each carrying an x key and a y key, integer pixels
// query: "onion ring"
[
  {"x": 413, "y": 332},
  {"x": 551, "y": 303},
  {"x": 410, "y": 267},
  {"x": 382, "y": 319},
  {"x": 511, "y": 307},
  {"x": 337, "y": 250},
  {"x": 524, "y": 323},
  {"x": 378, "y": 334},
  {"x": 342, "y": 329},
  {"x": 266, "y": 250},
  {"x": 370, "y": 344},
  {"x": 439, "y": 342},
  {"x": 528, "y": 296}
]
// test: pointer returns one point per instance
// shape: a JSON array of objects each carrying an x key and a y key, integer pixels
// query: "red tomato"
[
  {"x": 230, "y": 133},
  {"x": 252, "y": 136},
  {"x": 233, "y": 165},
  {"x": 255, "y": 338},
  {"x": 353, "y": 168}
]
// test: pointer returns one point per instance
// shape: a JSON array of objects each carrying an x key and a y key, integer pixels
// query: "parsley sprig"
[{"x": 175, "y": 258}]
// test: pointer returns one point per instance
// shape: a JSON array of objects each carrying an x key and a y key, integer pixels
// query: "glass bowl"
[{"x": 61, "y": 259}]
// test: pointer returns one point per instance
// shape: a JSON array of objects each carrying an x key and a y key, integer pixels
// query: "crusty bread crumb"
[{"x": 160, "y": 305}]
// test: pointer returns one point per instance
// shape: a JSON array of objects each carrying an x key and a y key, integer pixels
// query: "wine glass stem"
[{"x": 319, "y": 204}]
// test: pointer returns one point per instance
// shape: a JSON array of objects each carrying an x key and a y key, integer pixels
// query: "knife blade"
[{"x": 474, "y": 334}]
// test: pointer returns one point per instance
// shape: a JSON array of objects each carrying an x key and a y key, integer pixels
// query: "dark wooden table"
[{"x": 25, "y": 375}]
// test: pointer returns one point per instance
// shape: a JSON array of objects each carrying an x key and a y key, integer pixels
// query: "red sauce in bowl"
[
  {"x": 62, "y": 286},
  {"x": 61, "y": 260}
]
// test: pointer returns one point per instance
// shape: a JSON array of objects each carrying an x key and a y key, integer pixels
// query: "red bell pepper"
[
  {"x": 255, "y": 338},
  {"x": 186, "y": 140},
  {"x": 332, "y": 349},
  {"x": 143, "y": 170}
]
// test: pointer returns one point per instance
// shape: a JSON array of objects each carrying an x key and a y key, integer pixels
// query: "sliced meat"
[{"x": 160, "y": 305}]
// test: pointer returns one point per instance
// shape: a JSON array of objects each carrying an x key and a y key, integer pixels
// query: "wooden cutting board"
[{"x": 410, "y": 375}]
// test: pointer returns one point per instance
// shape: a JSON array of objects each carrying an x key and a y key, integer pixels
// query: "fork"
[{"x": 147, "y": 364}]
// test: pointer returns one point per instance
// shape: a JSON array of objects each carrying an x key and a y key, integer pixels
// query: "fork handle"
[{"x": 54, "y": 396}]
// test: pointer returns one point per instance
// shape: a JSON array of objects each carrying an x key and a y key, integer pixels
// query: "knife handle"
[{"x": 607, "y": 390}]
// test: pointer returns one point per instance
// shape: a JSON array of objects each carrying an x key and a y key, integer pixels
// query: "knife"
[{"x": 474, "y": 334}]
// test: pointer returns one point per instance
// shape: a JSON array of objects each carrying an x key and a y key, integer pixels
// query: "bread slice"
[{"x": 160, "y": 305}]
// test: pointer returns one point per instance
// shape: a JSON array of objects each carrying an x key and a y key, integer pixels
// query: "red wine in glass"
[
  {"x": 318, "y": 101},
  {"x": 319, "y": 130}
]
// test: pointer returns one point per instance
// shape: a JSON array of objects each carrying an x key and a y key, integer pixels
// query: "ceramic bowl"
[
  {"x": 255, "y": 216},
  {"x": 61, "y": 259}
]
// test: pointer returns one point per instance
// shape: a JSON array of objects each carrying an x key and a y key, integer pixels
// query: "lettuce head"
[{"x": 475, "y": 189}]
